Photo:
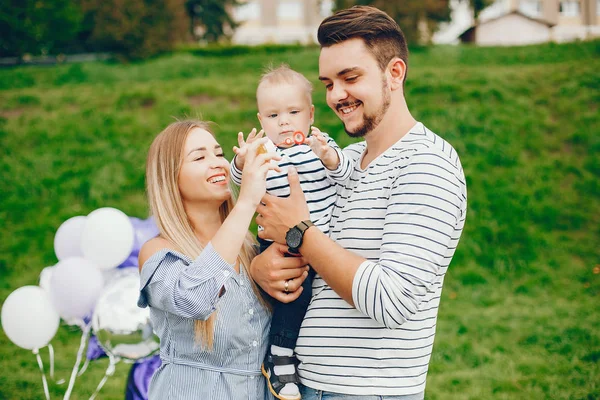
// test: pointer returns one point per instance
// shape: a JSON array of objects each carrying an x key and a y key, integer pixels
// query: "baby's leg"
[{"x": 285, "y": 326}]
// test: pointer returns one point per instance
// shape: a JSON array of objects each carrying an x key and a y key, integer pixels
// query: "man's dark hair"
[{"x": 380, "y": 33}]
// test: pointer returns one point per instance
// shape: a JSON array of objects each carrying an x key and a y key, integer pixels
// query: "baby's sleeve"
[
  {"x": 235, "y": 173},
  {"x": 344, "y": 169}
]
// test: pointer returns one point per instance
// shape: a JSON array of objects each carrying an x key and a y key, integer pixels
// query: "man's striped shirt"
[{"x": 404, "y": 213}]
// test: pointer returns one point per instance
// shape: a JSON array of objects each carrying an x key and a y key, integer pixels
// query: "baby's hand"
[
  {"x": 240, "y": 152},
  {"x": 318, "y": 144}
]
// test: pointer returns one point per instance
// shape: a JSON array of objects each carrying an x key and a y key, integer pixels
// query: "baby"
[{"x": 286, "y": 113}]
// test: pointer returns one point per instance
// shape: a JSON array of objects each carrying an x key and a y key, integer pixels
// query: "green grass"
[{"x": 519, "y": 317}]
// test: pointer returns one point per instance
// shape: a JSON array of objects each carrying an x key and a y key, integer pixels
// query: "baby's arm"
[
  {"x": 339, "y": 166},
  {"x": 318, "y": 143}
]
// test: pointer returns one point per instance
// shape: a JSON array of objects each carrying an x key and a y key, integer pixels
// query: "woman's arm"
[
  {"x": 230, "y": 237},
  {"x": 172, "y": 282}
]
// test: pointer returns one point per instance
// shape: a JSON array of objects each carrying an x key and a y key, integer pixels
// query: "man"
[{"x": 370, "y": 327}]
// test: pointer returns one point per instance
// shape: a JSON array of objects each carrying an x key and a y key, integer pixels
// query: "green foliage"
[
  {"x": 136, "y": 29},
  {"x": 518, "y": 316},
  {"x": 37, "y": 26},
  {"x": 214, "y": 17},
  {"x": 478, "y": 5},
  {"x": 417, "y": 19}
]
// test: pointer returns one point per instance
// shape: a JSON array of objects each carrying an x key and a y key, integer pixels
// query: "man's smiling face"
[{"x": 357, "y": 89}]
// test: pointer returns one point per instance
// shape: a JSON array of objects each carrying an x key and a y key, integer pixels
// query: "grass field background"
[{"x": 519, "y": 316}]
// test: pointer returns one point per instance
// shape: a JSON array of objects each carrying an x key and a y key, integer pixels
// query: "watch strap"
[{"x": 302, "y": 227}]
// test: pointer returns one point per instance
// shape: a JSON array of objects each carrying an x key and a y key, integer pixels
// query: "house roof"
[{"x": 515, "y": 12}]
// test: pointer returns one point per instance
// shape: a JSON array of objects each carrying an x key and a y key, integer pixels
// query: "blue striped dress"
[{"x": 178, "y": 291}]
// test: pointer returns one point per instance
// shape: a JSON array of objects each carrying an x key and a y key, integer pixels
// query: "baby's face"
[{"x": 284, "y": 109}]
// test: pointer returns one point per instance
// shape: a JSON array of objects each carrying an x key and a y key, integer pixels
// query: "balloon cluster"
[{"x": 91, "y": 286}]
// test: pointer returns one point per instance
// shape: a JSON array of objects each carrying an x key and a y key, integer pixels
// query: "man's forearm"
[{"x": 336, "y": 265}]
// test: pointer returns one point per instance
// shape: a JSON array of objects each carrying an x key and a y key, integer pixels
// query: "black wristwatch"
[{"x": 293, "y": 237}]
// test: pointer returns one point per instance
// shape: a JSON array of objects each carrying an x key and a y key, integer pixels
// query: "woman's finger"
[
  {"x": 296, "y": 282},
  {"x": 286, "y": 297}
]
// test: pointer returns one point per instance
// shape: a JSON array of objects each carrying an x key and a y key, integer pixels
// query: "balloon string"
[
  {"x": 85, "y": 365},
  {"x": 84, "y": 337},
  {"x": 41, "y": 365},
  {"x": 109, "y": 371},
  {"x": 51, "y": 355}
]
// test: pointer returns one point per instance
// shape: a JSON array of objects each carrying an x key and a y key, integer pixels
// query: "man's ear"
[
  {"x": 312, "y": 114},
  {"x": 397, "y": 70}
]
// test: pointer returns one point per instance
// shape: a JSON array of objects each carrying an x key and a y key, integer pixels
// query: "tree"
[
  {"x": 477, "y": 6},
  {"x": 213, "y": 16},
  {"x": 135, "y": 29},
  {"x": 418, "y": 19},
  {"x": 37, "y": 26}
]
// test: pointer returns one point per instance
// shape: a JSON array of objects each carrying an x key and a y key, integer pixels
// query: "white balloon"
[
  {"x": 67, "y": 241},
  {"x": 75, "y": 285},
  {"x": 28, "y": 317},
  {"x": 45, "y": 277},
  {"x": 107, "y": 237}
]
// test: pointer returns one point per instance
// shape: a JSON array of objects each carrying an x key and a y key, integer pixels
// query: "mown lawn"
[{"x": 519, "y": 317}]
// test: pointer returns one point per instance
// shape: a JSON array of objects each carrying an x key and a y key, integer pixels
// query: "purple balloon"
[
  {"x": 139, "y": 378},
  {"x": 94, "y": 351},
  {"x": 144, "y": 230}
]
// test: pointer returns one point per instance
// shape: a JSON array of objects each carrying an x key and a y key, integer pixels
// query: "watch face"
[{"x": 293, "y": 238}]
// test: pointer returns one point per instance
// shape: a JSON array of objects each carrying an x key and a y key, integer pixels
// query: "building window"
[
  {"x": 569, "y": 8},
  {"x": 290, "y": 10},
  {"x": 247, "y": 12},
  {"x": 532, "y": 8}
]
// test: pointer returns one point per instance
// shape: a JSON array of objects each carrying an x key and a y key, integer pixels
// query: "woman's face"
[{"x": 204, "y": 174}]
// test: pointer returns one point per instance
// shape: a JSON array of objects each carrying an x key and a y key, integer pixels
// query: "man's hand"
[
  {"x": 277, "y": 215},
  {"x": 240, "y": 152},
  {"x": 271, "y": 270},
  {"x": 318, "y": 143}
]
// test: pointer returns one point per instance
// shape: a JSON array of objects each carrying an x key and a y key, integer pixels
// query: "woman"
[{"x": 211, "y": 320}]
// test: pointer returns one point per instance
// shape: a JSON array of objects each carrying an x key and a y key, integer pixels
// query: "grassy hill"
[{"x": 519, "y": 317}]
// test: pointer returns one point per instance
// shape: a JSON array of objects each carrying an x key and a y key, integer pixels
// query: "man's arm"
[
  {"x": 336, "y": 265},
  {"x": 423, "y": 210}
]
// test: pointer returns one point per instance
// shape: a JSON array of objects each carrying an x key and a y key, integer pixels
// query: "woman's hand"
[
  {"x": 254, "y": 175},
  {"x": 240, "y": 152},
  {"x": 272, "y": 269}
]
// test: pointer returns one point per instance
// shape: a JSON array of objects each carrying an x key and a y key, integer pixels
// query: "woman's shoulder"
[{"x": 152, "y": 247}]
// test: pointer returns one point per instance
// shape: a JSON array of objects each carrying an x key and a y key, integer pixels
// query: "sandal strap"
[
  {"x": 279, "y": 381},
  {"x": 282, "y": 360}
]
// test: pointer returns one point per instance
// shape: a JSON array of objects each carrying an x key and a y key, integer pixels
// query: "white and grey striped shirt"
[
  {"x": 317, "y": 182},
  {"x": 404, "y": 214},
  {"x": 179, "y": 291}
]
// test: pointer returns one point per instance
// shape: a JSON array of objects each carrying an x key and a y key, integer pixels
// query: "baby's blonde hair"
[{"x": 284, "y": 74}]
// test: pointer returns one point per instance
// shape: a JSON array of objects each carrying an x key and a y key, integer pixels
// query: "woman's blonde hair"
[{"x": 163, "y": 164}]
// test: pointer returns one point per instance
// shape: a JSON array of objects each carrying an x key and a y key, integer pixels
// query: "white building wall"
[
  {"x": 512, "y": 30},
  {"x": 290, "y": 21}
]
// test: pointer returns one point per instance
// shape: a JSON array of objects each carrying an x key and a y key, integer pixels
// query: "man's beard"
[{"x": 370, "y": 122}]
